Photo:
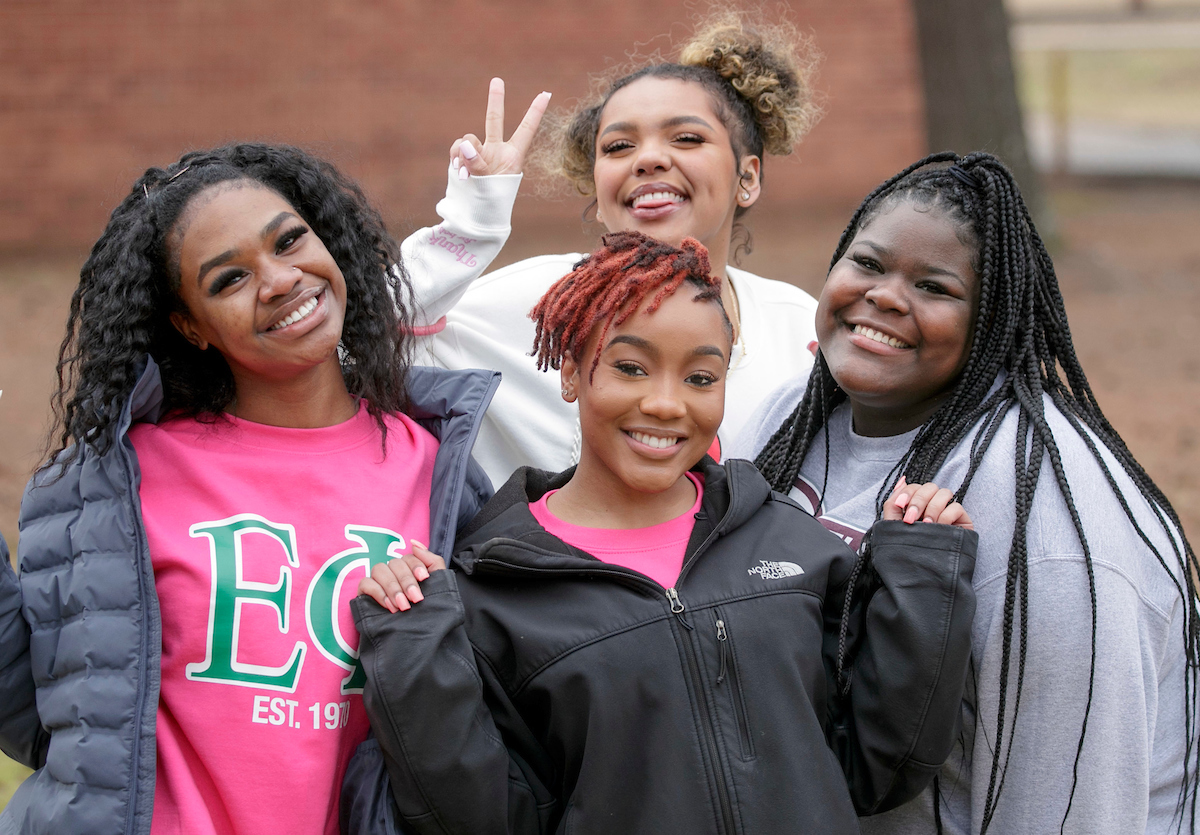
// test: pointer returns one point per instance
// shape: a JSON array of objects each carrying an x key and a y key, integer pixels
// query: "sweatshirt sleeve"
[
  {"x": 907, "y": 651},
  {"x": 457, "y": 752},
  {"x": 443, "y": 260},
  {"x": 22, "y": 736},
  {"x": 1131, "y": 769}
]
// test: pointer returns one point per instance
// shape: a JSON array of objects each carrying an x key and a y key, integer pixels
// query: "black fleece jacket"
[{"x": 537, "y": 689}]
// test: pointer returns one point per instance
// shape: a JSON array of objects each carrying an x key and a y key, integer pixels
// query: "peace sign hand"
[{"x": 493, "y": 155}]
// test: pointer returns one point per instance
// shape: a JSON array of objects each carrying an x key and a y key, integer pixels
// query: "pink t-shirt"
[
  {"x": 258, "y": 537},
  {"x": 656, "y": 551}
]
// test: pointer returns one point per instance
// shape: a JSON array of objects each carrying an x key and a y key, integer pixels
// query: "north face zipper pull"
[
  {"x": 722, "y": 640},
  {"x": 676, "y": 604},
  {"x": 677, "y": 607}
]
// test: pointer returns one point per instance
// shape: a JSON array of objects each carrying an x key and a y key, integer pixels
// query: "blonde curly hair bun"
[
  {"x": 759, "y": 75},
  {"x": 769, "y": 65}
]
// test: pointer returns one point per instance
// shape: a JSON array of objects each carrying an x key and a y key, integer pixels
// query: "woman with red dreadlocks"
[{"x": 605, "y": 654}]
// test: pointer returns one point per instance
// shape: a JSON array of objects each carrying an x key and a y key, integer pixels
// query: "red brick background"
[{"x": 92, "y": 93}]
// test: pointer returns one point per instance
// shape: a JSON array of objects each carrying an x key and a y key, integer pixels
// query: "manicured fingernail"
[
  {"x": 414, "y": 594},
  {"x": 903, "y": 481},
  {"x": 902, "y": 500},
  {"x": 929, "y": 519},
  {"x": 911, "y": 515},
  {"x": 547, "y": 93},
  {"x": 463, "y": 173},
  {"x": 456, "y": 162},
  {"x": 467, "y": 150},
  {"x": 402, "y": 602},
  {"x": 420, "y": 573},
  {"x": 418, "y": 543}
]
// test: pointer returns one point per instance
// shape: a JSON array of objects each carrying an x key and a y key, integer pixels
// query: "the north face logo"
[{"x": 771, "y": 570}]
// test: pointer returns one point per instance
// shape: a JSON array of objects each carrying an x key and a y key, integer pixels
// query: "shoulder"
[
  {"x": 144, "y": 433},
  {"x": 768, "y": 417},
  {"x": 767, "y": 292},
  {"x": 407, "y": 431},
  {"x": 540, "y": 269},
  {"x": 507, "y": 294},
  {"x": 1099, "y": 492}
]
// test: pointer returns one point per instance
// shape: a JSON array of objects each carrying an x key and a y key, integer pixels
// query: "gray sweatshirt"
[{"x": 1131, "y": 767}]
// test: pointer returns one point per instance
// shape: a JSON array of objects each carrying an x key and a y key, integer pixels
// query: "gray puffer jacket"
[{"x": 80, "y": 632}]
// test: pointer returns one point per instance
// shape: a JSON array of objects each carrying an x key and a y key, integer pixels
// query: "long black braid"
[
  {"x": 1021, "y": 354},
  {"x": 128, "y": 287}
]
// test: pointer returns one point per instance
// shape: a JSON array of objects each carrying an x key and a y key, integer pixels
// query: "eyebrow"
[
  {"x": 217, "y": 261},
  {"x": 929, "y": 268},
  {"x": 673, "y": 122},
  {"x": 647, "y": 346}
]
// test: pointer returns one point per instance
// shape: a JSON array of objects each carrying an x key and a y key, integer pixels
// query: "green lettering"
[
  {"x": 230, "y": 592},
  {"x": 378, "y": 545}
]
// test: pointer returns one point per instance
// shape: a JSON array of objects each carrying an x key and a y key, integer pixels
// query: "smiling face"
[
  {"x": 665, "y": 166},
  {"x": 653, "y": 406},
  {"x": 257, "y": 283},
  {"x": 896, "y": 317}
]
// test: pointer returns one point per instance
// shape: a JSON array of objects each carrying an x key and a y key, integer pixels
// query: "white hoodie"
[{"x": 472, "y": 322}]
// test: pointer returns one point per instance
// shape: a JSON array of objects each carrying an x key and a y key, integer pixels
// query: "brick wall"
[{"x": 92, "y": 93}]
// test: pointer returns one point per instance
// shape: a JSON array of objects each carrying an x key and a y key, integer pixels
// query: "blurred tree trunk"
[{"x": 970, "y": 89}]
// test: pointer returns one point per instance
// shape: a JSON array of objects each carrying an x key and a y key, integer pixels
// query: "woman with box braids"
[{"x": 1012, "y": 406}]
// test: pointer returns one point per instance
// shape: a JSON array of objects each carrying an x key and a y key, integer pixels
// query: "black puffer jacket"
[{"x": 537, "y": 689}]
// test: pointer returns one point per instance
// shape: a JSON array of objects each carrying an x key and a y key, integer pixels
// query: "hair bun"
[{"x": 769, "y": 65}]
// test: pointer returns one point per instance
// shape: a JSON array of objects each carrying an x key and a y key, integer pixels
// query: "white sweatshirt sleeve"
[{"x": 443, "y": 260}]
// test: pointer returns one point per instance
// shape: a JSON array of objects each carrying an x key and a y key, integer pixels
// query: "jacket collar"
[{"x": 733, "y": 492}]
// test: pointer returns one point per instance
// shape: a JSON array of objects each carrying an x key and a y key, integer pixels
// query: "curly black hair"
[
  {"x": 1021, "y": 344},
  {"x": 129, "y": 287}
]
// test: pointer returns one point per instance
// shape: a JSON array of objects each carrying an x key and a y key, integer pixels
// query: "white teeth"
[
  {"x": 654, "y": 440},
  {"x": 300, "y": 312},
  {"x": 871, "y": 333},
  {"x": 656, "y": 197}
]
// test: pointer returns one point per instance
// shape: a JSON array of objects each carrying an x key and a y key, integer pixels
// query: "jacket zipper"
[
  {"x": 143, "y": 557},
  {"x": 722, "y": 640},
  {"x": 736, "y": 697},
  {"x": 723, "y": 799},
  {"x": 678, "y": 609},
  {"x": 710, "y": 741}
]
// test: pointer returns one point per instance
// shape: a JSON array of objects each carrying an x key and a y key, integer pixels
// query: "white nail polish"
[
  {"x": 468, "y": 150},
  {"x": 457, "y": 161},
  {"x": 463, "y": 173}
]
